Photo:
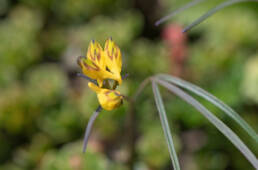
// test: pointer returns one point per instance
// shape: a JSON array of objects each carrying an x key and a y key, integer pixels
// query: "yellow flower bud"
[{"x": 108, "y": 99}]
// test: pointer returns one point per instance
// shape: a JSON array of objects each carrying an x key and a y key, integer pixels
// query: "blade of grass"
[
  {"x": 213, "y": 119},
  {"x": 165, "y": 126},
  {"x": 214, "y": 10},
  {"x": 165, "y": 18},
  {"x": 89, "y": 127},
  {"x": 202, "y": 93}
]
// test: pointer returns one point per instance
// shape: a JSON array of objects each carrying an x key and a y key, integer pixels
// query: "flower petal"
[
  {"x": 95, "y": 54},
  {"x": 88, "y": 67},
  {"x": 113, "y": 58}
]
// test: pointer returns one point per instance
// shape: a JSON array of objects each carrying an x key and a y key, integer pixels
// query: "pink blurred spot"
[{"x": 176, "y": 41}]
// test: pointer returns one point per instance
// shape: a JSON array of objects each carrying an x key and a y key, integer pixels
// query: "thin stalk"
[
  {"x": 89, "y": 127},
  {"x": 140, "y": 88},
  {"x": 131, "y": 127}
]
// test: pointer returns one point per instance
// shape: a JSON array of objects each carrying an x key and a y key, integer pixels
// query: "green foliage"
[
  {"x": 44, "y": 107},
  {"x": 154, "y": 155},
  {"x": 250, "y": 82},
  {"x": 70, "y": 157},
  {"x": 140, "y": 57},
  {"x": 19, "y": 47}
]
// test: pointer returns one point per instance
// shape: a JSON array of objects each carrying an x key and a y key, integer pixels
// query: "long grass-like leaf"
[
  {"x": 89, "y": 127},
  {"x": 214, "y": 120},
  {"x": 165, "y": 18},
  {"x": 202, "y": 93},
  {"x": 214, "y": 10},
  {"x": 165, "y": 126}
]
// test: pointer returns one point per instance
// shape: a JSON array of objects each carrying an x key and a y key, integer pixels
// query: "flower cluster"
[{"x": 104, "y": 66}]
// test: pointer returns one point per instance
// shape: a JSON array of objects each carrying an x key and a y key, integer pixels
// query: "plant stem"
[
  {"x": 131, "y": 126},
  {"x": 89, "y": 127},
  {"x": 140, "y": 88}
]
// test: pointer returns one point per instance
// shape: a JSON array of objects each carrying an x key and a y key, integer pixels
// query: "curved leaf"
[
  {"x": 214, "y": 120},
  {"x": 165, "y": 126},
  {"x": 214, "y": 10},
  {"x": 165, "y": 18},
  {"x": 202, "y": 93}
]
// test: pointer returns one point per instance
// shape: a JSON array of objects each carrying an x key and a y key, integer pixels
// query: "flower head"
[
  {"x": 96, "y": 66},
  {"x": 103, "y": 66}
]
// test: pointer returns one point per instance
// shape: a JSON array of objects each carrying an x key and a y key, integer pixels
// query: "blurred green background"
[{"x": 44, "y": 106}]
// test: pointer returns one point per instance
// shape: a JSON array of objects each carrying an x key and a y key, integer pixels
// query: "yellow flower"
[
  {"x": 104, "y": 66},
  {"x": 108, "y": 99},
  {"x": 96, "y": 66}
]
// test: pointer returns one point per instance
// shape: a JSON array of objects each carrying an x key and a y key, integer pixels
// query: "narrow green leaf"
[
  {"x": 214, "y": 10},
  {"x": 165, "y": 126},
  {"x": 186, "y": 6},
  {"x": 213, "y": 119},
  {"x": 202, "y": 93}
]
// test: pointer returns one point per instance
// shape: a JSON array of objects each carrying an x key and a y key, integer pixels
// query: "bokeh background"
[{"x": 44, "y": 106}]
